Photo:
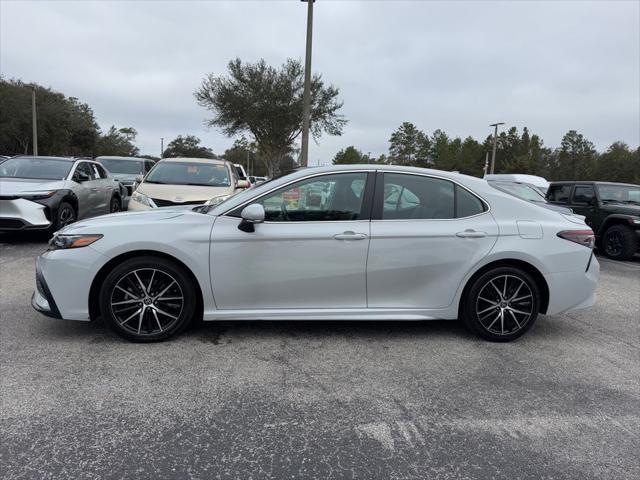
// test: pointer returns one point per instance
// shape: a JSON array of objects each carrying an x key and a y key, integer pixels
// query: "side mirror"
[
  {"x": 139, "y": 179},
  {"x": 251, "y": 215},
  {"x": 242, "y": 184},
  {"x": 81, "y": 177}
]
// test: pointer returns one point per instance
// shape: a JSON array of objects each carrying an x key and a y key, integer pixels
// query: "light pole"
[
  {"x": 495, "y": 141},
  {"x": 306, "y": 97},
  {"x": 161, "y": 146},
  {"x": 35, "y": 123}
]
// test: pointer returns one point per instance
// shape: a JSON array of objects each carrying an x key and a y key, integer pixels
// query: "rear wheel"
[
  {"x": 620, "y": 242},
  {"x": 115, "y": 205},
  {"x": 147, "y": 299},
  {"x": 502, "y": 304}
]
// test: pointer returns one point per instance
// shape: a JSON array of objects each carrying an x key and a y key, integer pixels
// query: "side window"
[
  {"x": 559, "y": 193},
  {"x": 98, "y": 171},
  {"x": 83, "y": 173},
  {"x": 147, "y": 166},
  {"x": 416, "y": 197},
  {"x": 467, "y": 204},
  {"x": 324, "y": 198},
  {"x": 583, "y": 194}
]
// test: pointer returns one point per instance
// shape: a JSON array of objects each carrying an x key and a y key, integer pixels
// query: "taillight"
[{"x": 585, "y": 238}]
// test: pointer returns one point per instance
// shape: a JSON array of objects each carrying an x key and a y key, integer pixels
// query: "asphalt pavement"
[{"x": 326, "y": 400}]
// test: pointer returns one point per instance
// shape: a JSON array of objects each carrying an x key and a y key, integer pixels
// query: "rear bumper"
[
  {"x": 573, "y": 290},
  {"x": 21, "y": 214}
]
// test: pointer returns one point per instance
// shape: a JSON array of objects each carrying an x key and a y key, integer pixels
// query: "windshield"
[
  {"x": 520, "y": 190},
  {"x": 127, "y": 167},
  {"x": 187, "y": 173},
  {"x": 38, "y": 168},
  {"x": 619, "y": 193}
]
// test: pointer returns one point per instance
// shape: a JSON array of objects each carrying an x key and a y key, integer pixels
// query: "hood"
[
  {"x": 126, "y": 219},
  {"x": 182, "y": 193},
  {"x": 125, "y": 177},
  {"x": 17, "y": 186},
  {"x": 622, "y": 208}
]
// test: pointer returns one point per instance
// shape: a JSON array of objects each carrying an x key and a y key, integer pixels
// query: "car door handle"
[
  {"x": 471, "y": 234},
  {"x": 94, "y": 189},
  {"x": 349, "y": 235}
]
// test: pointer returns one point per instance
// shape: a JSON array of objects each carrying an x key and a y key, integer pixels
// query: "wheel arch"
[
  {"x": 614, "y": 219},
  {"x": 94, "y": 291},
  {"x": 510, "y": 262}
]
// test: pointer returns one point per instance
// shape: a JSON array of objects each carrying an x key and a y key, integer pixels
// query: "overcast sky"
[{"x": 457, "y": 66}]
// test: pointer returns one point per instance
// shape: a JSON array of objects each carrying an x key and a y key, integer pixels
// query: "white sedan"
[{"x": 353, "y": 242}]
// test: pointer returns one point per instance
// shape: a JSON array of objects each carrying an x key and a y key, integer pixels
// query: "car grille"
[
  {"x": 168, "y": 203},
  {"x": 11, "y": 224}
]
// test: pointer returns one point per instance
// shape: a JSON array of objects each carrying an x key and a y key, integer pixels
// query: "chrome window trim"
[
  {"x": 318, "y": 174},
  {"x": 400, "y": 172}
]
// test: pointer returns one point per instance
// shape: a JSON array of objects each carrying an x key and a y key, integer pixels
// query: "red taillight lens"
[{"x": 585, "y": 238}]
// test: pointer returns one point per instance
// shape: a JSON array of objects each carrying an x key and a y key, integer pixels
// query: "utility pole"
[
  {"x": 161, "y": 146},
  {"x": 495, "y": 141},
  {"x": 306, "y": 98},
  {"x": 35, "y": 123}
]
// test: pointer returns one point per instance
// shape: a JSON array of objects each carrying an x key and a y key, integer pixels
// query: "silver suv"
[{"x": 47, "y": 193}]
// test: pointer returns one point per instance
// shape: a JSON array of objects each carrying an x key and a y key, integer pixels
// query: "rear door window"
[{"x": 583, "y": 194}]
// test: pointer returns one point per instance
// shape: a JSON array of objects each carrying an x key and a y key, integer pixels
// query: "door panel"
[
  {"x": 420, "y": 263},
  {"x": 85, "y": 190},
  {"x": 289, "y": 265}
]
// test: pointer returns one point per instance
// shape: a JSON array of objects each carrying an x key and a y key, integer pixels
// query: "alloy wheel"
[
  {"x": 504, "y": 305},
  {"x": 147, "y": 301},
  {"x": 67, "y": 216},
  {"x": 115, "y": 205}
]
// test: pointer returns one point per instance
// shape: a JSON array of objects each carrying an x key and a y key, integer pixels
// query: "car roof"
[
  {"x": 193, "y": 160},
  {"x": 591, "y": 182},
  {"x": 40, "y": 157},
  {"x": 109, "y": 157}
]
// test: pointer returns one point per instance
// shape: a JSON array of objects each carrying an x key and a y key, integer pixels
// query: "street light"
[
  {"x": 495, "y": 140},
  {"x": 306, "y": 97}
]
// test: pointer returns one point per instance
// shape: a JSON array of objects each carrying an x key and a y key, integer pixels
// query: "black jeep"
[{"x": 612, "y": 211}]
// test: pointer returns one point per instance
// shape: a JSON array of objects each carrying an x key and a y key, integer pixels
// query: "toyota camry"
[{"x": 359, "y": 242}]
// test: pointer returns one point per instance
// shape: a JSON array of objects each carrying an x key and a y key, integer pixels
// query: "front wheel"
[
  {"x": 147, "y": 299},
  {"x": 65, "y": 215},
  {"x": 114, "y": 205},
  {"x": 502, "y": 304}
]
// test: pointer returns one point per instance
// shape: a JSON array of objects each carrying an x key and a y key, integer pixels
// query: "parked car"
[
  {"x": 343, "y": 242},
  {"x": 186, "y": 181},
  {"x": 529, "y": 193},
  {"x": 40, "y": 193},
  {"x": 126, "y": 170},
  {"x": 540, "y": 183},
  {"x": 612, "y": 210}
]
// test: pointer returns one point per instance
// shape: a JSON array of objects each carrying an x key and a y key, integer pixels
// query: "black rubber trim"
[
  {"x": 53, "y": 312},
  {"x": 367, "y": 201},
  {"x": 589, "y": 263},
  {"x": 378, "y": 197}
]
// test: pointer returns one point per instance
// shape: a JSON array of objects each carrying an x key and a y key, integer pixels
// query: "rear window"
[{"x": 559, "y": 193}]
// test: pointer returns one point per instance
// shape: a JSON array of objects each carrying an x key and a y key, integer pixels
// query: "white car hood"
[
  {"x": 17, "y": 186},
  {"x": 126, "y": 219}
]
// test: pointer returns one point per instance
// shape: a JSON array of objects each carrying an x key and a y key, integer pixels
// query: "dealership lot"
[{"x": 320, "y": 400}]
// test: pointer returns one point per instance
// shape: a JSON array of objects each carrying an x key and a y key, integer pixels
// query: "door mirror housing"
[
  {"x": 139, "y": 179},
  {"x": 242, "y": 184},
  {"x": 80, "y": 177},
  {"x": 251, "y": 215}
]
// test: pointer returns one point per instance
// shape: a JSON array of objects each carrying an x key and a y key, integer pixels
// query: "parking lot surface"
[{"x": 320, "y": 400}]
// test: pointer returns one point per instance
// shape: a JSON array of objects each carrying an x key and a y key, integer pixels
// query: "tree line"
[
  {"x": 66, "y": 126},
  {"x": 575, "y": 159}
]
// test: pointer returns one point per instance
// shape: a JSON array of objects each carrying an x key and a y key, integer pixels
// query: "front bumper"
[
  {"x": 63, "y": 282},
  {"x": 22, "y": 214}
]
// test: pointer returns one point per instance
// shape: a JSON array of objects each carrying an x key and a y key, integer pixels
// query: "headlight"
[
  {"x": 37, "y": 195},
  {"x": 141, "y": 198},
  {"x": 215, "y": 201},
  {"x": 63, "y": 242}
]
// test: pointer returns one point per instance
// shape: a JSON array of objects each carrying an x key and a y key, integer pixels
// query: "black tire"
[
  {"x": 65, "y": 215},
  {"x": 619, "y": 242},
  {"x": 160, "y": 319},
  {"x": 478, "y": 311},
  {"x": 115, "y": 205}
]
